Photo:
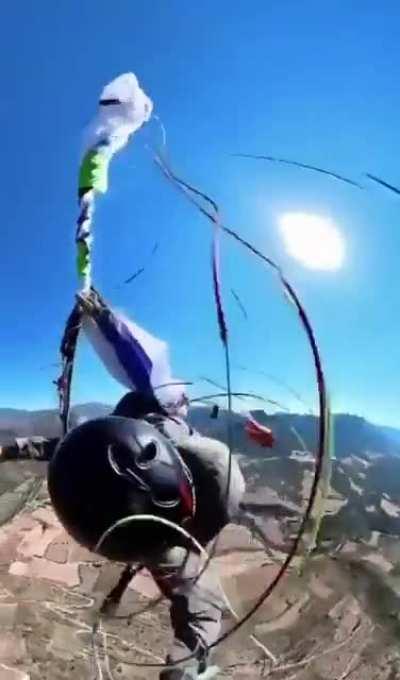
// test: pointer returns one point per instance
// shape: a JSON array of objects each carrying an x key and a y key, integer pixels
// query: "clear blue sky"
[{"x": 312, "y": 81}]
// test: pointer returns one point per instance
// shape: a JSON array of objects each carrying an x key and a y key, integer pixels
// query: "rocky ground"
[{"x": 336, "y": 618}]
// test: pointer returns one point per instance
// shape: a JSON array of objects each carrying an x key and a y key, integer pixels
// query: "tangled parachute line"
[
  {"x": 323, "y": 171},
  {"x": 123, "y": 109},
  {"x": 305, "y": 166},
  {"x": 321, "y": 473}
]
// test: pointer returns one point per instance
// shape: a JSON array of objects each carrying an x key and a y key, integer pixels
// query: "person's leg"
[
  {"x": 112, "y": 600},
  {"x": 196, "y": 610}
]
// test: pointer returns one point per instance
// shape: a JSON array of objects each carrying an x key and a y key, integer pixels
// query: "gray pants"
[
  {"x": 196, "y": 609},
  {"x": 196, "y": 605}
]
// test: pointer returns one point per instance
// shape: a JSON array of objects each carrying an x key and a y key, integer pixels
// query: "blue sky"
[{"x": 311, "y": 81}]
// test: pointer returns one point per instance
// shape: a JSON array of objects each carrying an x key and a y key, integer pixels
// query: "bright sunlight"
[{"x": 312, "y": 240}]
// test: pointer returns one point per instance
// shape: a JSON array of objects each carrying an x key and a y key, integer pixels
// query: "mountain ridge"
[{"x": 354, "y": 435}]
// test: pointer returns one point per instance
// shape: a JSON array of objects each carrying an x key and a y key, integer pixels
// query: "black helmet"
[{"x": 109, "y": 468}]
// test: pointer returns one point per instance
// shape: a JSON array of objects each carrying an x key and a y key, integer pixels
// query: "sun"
[{"x": 312, "y": 240}]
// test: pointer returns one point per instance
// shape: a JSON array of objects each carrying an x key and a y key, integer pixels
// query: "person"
[
  {"x": 197, "y": 603},
  {"x": 196, "y": 599},
  {"x": 145, "y": 460}
]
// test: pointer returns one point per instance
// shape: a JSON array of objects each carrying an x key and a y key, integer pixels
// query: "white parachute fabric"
[{"x": 123, "y": 109}]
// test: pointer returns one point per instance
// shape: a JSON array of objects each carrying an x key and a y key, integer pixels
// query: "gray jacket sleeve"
[{"x": 218, "y": 480}]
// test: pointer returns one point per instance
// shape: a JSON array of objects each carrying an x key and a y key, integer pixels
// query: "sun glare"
[{"x": 312, "y": 240}]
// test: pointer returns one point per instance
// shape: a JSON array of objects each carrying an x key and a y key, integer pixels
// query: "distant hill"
[
  {"x": 21, "y": 423},
  {"x": 353, "y": 435},
  {"x": 365, "y": 493},
  {"x": 392, "y": 433}
]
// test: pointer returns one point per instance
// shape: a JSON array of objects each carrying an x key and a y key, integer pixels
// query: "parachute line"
[
  {"x": 305, "y": 166},
  {"x": 323, "y": 451}
]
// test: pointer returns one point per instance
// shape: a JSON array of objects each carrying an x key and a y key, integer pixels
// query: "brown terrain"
[{"x": 337, "y": 617}]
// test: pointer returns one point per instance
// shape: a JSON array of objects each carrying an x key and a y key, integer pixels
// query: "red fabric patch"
[
  {"x": 259, "y": 434},
  {"x": 187, "y": 497}
]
